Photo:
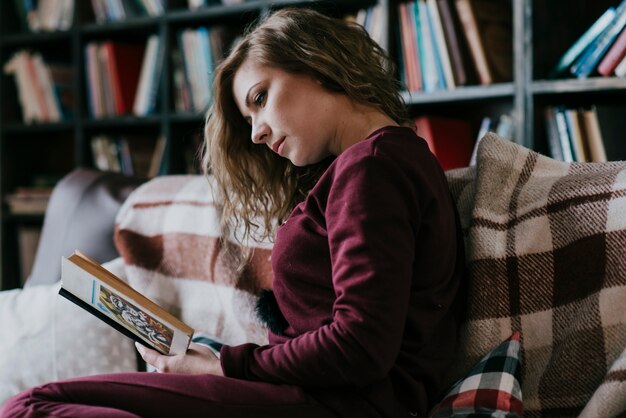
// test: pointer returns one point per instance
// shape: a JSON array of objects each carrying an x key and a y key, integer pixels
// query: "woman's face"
[{"x": 290, "y": 113}]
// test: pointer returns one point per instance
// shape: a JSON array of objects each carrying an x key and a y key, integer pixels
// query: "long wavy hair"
[{"x": 257, "y": 187}]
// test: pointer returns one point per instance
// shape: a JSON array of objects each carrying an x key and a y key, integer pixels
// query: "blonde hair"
[{"x": 258, "y": 188}]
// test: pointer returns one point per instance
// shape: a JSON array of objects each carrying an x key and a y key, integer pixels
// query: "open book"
[{"x": 95, "y": 289}]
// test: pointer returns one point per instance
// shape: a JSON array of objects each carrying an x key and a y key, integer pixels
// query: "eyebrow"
[{"x": 247, "y": 101}]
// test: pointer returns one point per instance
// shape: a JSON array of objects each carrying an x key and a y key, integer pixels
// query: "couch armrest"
[{"x": 80, "y": 215}]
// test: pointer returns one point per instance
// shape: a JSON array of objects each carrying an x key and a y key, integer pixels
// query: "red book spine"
[{"x": 613, "y": 56}]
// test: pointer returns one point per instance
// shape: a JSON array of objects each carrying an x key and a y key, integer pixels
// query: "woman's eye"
[{"x": 259, "y": 98}]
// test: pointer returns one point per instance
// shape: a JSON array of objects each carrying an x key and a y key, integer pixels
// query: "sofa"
[{"x": 546, "y": 254}]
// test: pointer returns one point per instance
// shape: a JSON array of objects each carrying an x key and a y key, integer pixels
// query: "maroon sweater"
[{"x": 366, "y": 273}]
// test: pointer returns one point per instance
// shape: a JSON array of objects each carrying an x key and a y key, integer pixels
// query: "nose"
[{"x": 260, "y": 132}]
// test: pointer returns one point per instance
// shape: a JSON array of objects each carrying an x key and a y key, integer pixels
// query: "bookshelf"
[{"x": 541, "y": 32}]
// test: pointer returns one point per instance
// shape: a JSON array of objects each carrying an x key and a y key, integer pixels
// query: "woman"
[{"x": 308, "y": 134}]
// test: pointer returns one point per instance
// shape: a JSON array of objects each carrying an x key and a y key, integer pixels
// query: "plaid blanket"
[
  {"x": 546, "y": 249},
  {"x": 168, "y": 233}
]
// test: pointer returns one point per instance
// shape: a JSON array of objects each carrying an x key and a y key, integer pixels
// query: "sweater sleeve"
[{"x": 371, "y": 219}]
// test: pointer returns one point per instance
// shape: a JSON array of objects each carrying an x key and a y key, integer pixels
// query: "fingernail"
[{"x": 139, "y": 347}]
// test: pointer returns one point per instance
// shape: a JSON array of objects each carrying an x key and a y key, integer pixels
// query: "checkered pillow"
[{"x": 491, "y": 388}]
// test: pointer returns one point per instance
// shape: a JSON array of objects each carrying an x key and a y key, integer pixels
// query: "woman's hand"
[{"x": 197, "y": 360}]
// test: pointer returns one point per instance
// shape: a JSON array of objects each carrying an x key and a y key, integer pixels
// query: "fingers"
[{"x": 152, "y": 357}]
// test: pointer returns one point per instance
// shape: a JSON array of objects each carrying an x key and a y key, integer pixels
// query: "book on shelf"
[
  {"x": 408, "y": 40},
  {"x": 450, "y": 140},
  {"x": 612, "y": 123},
  {"x": 374, "y": 21},
  {"x": 149, "y": 77},
  {"x": 124, "y": 66},
  {"x": 29, "y": 200},
  {"x": 564, "y": 139},
  {"x": 487, "y": 25},
  {"x": 440, "y": 43},
  {"x": 575, "y": 135},
  {"x": 45, "y": 15},
  {"x": 614, "y": 56},
  {"x": 620, "y": 69},
  {"x": 112, "y": 72},
  {"x": 137, "y": 155},
  {"x": 588, "y": 61},
  {"x": 595, "y": 143},
  {"x": 577, "y": 48},
  {"x": 485, "y": 126},
  {"x": 89, "y": 285},
  {"x": 428, "y": 57},
  {"x": 118, "y": 10},
  {"x": 44, "y": 90}
]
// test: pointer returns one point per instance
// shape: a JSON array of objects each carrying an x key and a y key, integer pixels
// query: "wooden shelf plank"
[
  {"x": 589, "y": 85},
  {"x": 461, "y": 93}
]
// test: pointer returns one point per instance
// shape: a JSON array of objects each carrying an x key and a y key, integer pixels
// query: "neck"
[{"x": 359, "y": 123}]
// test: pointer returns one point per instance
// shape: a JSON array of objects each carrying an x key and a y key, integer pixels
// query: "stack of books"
[
  {"x": 44, "y": 90},
  {"x": 199, "y": 51},
  {"x": 601, "y": 50},
  {"x": 574, "y": 135},
  {"x": 451, "y": 43},
  {"x": 45, "y": 15},
  {"x": 118, "y": 10},
  {"x": 123, "y": 78},
  {"x": 29, "y": 200}
]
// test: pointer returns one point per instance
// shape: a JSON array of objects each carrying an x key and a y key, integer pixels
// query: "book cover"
[
  {"x": 98, "y": 291},
  {"x": 450, "y": 140}
]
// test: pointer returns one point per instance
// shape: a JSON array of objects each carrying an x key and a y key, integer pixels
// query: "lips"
[{"x": 277, "y": 146}]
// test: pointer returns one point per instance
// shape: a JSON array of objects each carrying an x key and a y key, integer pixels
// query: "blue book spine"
[
  {"x": 206, "y": 64},
  {"x": 441, "y": 78},
  {"x": 584, "y": 41},
  {"x": 591, "y": 57},
  {"x": 429, "y": 69}
]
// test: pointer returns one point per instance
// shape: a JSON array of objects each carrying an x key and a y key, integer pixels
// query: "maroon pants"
[{"x": 163, "y": 395}]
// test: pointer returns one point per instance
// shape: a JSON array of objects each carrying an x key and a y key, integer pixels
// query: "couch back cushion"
[
  {"x": 546, "y": 250},
  {"x": 168, "y": 232}
]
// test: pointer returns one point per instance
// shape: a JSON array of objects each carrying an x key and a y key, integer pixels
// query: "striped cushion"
[
  {"x": 491, "y": 388},
  {"x": 168, "y": 233}
]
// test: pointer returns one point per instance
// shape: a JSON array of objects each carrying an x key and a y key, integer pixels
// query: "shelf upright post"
[
  {"x": 522, "y": 58},
  {"x": 164, "y": 85},
  {"x": 78, "y": 64},
  {"x": 2, "y": 154}
]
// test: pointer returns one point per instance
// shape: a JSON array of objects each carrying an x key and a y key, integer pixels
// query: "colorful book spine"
[
  {"x": 590, "y": 59},
  {"x": 613, "y": 57},
  {"x": 470, "y": 26},
  {"x": 439, "y": 44},
  {"x": 583, "y": 42}
]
